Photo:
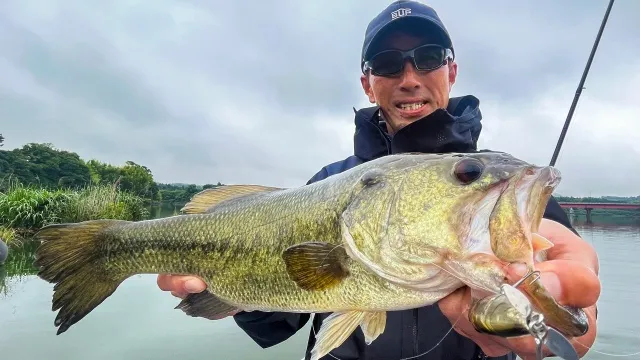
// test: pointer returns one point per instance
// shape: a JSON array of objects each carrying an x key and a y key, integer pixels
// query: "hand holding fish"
[
  {"x": 181, "y": 285},
  {"x": 570, "y": 274}
]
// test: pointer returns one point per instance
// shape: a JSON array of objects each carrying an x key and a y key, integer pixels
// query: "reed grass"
[
  {"x": 102, "y": 202},
  {"x": 26, "y": 208}
]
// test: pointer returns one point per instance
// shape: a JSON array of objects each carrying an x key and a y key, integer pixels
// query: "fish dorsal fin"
[{"x": 205, "y": 199}]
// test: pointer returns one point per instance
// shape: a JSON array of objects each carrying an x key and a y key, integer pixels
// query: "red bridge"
[{"x": 590, "y": 206}]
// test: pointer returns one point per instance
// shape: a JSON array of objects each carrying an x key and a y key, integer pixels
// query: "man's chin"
[{"x": 401, "y": 122}]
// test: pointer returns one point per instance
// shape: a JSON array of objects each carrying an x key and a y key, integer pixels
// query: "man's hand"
[
  {"x": 570, "y": 274},
  {"x": 180, "y": 285}
]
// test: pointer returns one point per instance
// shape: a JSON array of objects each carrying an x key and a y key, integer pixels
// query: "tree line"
[
  {"x": 602, "y": 199},
  {"x": 44, "y": 166}
]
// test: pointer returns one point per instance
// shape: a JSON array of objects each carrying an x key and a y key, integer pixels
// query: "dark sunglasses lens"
[
  {"x": 429, "y": 57},
  {"x": 388, "y": 62}
]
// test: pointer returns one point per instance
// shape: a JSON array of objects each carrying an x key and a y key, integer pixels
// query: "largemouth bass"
[{"x": 399, "y": 232}]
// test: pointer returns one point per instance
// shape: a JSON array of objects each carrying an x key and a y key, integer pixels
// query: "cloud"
[
  {"x": 601, "y": 151},
  {"x": 204, "y": 92}
]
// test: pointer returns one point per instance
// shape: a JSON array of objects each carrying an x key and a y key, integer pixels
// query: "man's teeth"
[{"x": 412, "y": 106}]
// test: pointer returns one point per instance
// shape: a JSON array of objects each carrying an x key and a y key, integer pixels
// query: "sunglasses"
[{"x": 391, "y": 62}]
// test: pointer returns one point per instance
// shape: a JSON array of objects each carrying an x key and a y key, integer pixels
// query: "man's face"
[{"x": 428, "y": 88}]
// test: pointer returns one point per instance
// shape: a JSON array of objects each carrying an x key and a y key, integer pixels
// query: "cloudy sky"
[{"x": 208, "y": 91}]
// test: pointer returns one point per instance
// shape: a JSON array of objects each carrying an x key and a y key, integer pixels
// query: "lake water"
[{"x": 138, "y": 321}]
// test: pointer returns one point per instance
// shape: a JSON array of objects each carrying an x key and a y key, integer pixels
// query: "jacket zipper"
[
  {"x": 383, "y": 134},
  {"x": 415, "y": 332}
]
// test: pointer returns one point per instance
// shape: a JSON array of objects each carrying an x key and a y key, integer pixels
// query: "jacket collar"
[{"x": 455, "y": 129}]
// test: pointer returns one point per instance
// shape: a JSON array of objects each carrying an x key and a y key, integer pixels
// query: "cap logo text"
[{"x": 400, "y": 12}]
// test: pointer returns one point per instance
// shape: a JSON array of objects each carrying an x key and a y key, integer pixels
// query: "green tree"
[
  {"x": 49, "y": 167},
  {"x": 138, "y": 180},
  {"x": 103, "y": 173}
]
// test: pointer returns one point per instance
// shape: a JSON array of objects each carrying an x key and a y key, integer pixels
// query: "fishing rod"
[{"x": 580, "y": 86}]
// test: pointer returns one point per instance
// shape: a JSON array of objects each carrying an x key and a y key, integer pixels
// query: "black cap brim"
[{"x": 411, "y": 23}]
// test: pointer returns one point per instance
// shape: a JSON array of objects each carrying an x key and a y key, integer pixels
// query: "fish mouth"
[
  {"x": 513, "y": 240},
  {"x": 533, "y": 187},
  {"x": 533, "y": 191},
  {"x": 517, "y": 214},
  {"x": 512, "y": 207}
]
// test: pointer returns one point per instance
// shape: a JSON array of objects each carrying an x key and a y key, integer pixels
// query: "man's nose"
[{"x": 409, "y": 77}]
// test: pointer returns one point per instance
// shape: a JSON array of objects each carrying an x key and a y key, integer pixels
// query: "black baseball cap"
[{"x": 404, "y": 11}]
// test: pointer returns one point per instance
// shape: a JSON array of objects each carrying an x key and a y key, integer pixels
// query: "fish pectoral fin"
[
  {"x": 206, "y": 305},
  {"x": 335, "y": 330},
  {"x": 373, "y": 325},
  {"x": 316, "y": 265},
  {"x": 203, "y": 201}
]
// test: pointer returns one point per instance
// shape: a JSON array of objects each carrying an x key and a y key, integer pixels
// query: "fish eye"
[
  {"x": 468, "y": 170},
  {"x": 371, "y": 177}
]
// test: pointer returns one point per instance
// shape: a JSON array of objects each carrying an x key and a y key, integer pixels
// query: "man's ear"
[
  {"x": 453, "y": 73},
  {"x": 366, "y": 86}
]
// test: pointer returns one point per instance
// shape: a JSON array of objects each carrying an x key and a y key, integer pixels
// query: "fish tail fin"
[{"x": 69, "y": 256}]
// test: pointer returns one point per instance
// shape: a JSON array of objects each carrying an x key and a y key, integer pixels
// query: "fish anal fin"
[
  {"x": 203, "y": 201},
  {"x": 207, "y": 305},
  {"x": 373, "y": 325},
  {"x": 334, "y": 331},
  {"x": 316, "y": 265}
]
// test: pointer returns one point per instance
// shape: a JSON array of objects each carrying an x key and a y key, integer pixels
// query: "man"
[{"x": 408, "y": 71}]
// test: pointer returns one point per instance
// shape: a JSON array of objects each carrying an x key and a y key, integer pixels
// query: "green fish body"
[{"x": 398, "y": 232}]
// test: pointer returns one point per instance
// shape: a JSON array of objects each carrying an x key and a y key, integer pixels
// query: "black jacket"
[{"x": 409, "y": 332}]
